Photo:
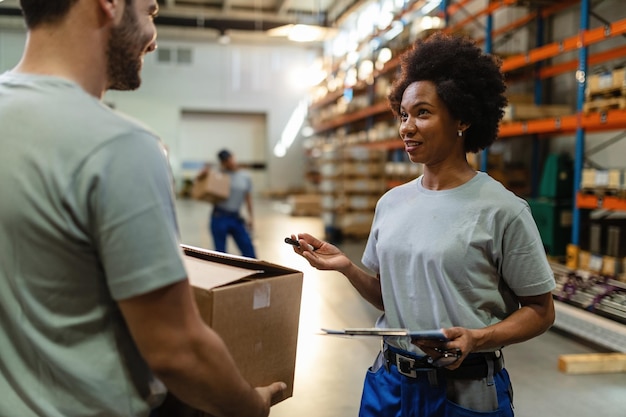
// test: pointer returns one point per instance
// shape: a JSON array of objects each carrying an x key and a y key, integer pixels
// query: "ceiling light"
[
  {"x": 306, "y": 33},
  {"x": 223, "y": 39},
  {"x": 299, "y": 32},
  {"x": 280, "y": 31}
]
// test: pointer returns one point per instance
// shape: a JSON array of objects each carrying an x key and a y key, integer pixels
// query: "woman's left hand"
[{"x": 459, "y": 338}]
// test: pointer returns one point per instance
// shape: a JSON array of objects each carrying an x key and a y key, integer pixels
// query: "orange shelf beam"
[
  {"x": 373, "y": 110},
  {"x": 607, "y": 202},
  {"x": 595, "y": 59},
  {"x": 588, "y": 201},
  {"x": 584, "y": 38},
  {"x": 607, "y": 120},
  {"x": 596, "y": 121},
  {"x": 614, "y": 203},
  {"x": 529, "y": 127}
]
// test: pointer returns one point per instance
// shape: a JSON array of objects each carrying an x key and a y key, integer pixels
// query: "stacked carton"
[{"x": 353, "y": 178}]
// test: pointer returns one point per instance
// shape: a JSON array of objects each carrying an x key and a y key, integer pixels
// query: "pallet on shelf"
[
  {"x": 606, "y": 91},
  {"x": 607, "y": 82},
  {"x": 305, "y": 204},
  {"x": 604, "y": 104},
  {"x": 528, "y": 111}
]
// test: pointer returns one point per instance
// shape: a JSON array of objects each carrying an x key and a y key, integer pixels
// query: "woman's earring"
[{"x": 459, "y": 132}]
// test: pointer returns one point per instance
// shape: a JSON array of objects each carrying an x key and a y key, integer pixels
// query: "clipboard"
[{"x": 372, "y": 331}]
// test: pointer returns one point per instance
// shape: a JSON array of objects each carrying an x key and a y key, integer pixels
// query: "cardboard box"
[
  {"x": 211, "y": 186},
  {"x": 305, "y": 204},
  {"x": 521, "y": 111},
  {"x": 611, "y": 266},
  {"x": 607, "y": 80},
  {"x": 255, "y": 307},
  {"x": 572, "y": 254}
]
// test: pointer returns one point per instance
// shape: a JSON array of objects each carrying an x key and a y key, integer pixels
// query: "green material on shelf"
[
  {"x": 557, "y": 178},
  {"x": 554, "y": 221}
]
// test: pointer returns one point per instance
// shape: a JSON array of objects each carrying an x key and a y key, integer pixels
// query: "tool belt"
[
  {"x": 220, "y": 212},
  {"x": 475, "y": 365}
]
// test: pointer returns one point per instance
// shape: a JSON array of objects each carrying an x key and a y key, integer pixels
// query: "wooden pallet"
[
  {"x": 602, "y": 104},
  {"x": 601, "y": 191},
  {"x": 608, "y": 92},
  {"x": 606, "y": 83},
  {"x": 592, "y": 363}
]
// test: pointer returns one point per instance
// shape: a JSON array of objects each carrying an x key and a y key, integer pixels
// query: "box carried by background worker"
[{"x": 211, "y": 185}]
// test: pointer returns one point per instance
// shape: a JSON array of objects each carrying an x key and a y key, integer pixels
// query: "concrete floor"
[{"x": 330, "y": 369}]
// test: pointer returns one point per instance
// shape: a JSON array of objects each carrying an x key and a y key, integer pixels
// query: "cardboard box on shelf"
[
  {"x": 572, "y": 253},
  {"x": 211, "y": 186},
  {"x": 255, "y": 308},
  {"x": 521, "y": 111},
  {"x": 305, "y": 204},
  {"x": 606, "y": 81},
  {"x": 584, "y": 259},
  {"x": 611, "y": 266}
]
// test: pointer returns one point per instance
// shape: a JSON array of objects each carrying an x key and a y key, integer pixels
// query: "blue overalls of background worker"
[{"x": 226, "y": 218}]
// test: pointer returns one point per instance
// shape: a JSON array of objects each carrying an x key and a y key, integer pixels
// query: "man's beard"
[{"x": 124, "y": 54}]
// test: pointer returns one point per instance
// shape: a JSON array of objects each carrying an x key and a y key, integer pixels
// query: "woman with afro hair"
[{"x": 452, "y": 250}]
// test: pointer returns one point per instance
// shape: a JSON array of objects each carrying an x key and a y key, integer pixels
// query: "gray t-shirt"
[
  {"x": 455, "y": 257},
  {"x": 240, "y": 186},
  {"x": 86, "y": 218}
]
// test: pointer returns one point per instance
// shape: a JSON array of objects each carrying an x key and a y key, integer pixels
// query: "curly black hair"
[{"x": 468, "y": 81}]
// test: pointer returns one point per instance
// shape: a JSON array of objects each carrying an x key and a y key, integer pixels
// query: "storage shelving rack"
[{"x": 577, "y": 124}]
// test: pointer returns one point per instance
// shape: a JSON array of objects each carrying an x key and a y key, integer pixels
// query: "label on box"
[
  {"x": 602, "y": 178},
  {"x": 605, "y": 80},
  {"x": 595, "y": 263},
  {"x": 262, "y": 295}
]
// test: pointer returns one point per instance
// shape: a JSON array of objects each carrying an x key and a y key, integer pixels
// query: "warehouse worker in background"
[
  {"x": 451, "y": 250},
  {"x": 93, "y": 291},
  {"x": 226, "y": 216}
]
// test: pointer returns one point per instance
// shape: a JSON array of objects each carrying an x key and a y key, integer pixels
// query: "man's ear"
[{"x": 111, "y": 8}]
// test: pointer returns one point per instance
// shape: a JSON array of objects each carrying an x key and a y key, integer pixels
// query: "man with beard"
[{"x": 94, "y": 298}]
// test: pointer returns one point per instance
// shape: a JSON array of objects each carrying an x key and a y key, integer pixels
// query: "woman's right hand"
[{"x": 320, "y": 254}]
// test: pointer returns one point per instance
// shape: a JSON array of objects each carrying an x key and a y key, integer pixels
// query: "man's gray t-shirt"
[
  {"x": 240, "y": 187},
  {"x": 456, "y": 257},
  {"x": 87, "y": 219}
]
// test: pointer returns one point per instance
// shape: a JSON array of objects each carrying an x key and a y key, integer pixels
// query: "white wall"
[
  {"x": 229, "y": 79},
  {"x": 234, "y": 78}
]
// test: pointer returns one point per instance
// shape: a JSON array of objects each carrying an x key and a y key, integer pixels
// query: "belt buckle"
[{"x": 406, "y": 366}]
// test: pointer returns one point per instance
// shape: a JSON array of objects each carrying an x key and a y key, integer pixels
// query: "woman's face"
[{"x": 429, "y": 132}]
